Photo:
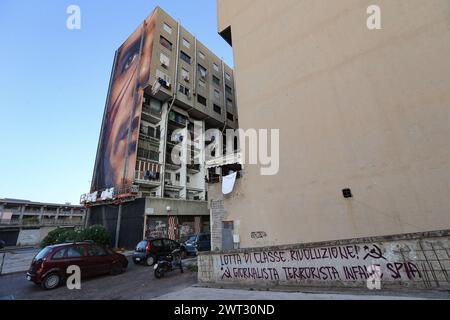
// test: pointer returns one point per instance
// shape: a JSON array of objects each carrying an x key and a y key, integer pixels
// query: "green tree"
[{"x": 96, "y": 233}]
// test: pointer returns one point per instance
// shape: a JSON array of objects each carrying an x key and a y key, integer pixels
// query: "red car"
[{"x": 49, "y": 267}]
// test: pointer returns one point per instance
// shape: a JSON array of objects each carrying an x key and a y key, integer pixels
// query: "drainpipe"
[
  {"x": 174, "y": 97},
  {"x": 224, "y": 102}
]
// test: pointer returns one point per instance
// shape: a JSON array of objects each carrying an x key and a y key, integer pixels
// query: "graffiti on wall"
[
  {"x": 346, "y": 263},
  {"x": 186, "y": 229},
  {"x": 258, "y": 235},
  {"x": 157, "y": 229}
]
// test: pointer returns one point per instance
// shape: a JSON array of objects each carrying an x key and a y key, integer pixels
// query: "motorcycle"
[{"x": 168, "y": 263}]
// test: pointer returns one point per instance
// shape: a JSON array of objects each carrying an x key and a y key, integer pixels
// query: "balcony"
[
  {"x": 151, "y": 114},
  {"x": 147, "y": 177},
  {"x": 173, "y": 185},
  {"x": 195, "y": 168},
  {"x": 177, "y": 120}
]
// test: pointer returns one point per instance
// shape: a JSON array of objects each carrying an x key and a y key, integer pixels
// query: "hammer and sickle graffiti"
[{"x": 374, "y": 252}]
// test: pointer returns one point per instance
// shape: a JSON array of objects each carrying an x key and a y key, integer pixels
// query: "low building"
[{"x": 24, "y": 222}]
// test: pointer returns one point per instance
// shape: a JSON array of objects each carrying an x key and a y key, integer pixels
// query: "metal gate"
[
  {"x": 10, "y": 236},
  {"x": 227, "y": 235}
]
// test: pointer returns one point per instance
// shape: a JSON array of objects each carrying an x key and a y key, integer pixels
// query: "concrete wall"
[
  {"x": 360, "y": 109},
  {"x": 158, "y": 207},
  {"x": 419, "y": 261},
  {"x": 29, "y": 237},
  {"x": 32, "y": 237}
]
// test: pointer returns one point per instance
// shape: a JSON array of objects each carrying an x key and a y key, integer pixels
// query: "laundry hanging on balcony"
[
  {"x": 228, "y": 183},
  {"x": 107, "y": 194}
]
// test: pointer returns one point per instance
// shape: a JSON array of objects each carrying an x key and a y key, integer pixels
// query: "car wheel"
[
  {"x": 51, "y": 281},
  {"x": 150, "y": 261},
  {"x": 116, "y": 269}
]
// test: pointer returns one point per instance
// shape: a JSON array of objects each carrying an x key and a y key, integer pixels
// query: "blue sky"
[{"x": 54, "y": 81}]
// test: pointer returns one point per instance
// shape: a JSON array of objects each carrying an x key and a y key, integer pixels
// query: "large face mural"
[{"x": 116, "y": 155}]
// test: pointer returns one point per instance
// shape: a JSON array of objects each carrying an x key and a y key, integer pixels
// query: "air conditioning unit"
[
  {"x": 186, "y": 79},
  {"x": 164, "y": 64}
]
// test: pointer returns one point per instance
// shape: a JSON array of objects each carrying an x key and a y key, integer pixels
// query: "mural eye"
[{"x": 129, "y": 61}]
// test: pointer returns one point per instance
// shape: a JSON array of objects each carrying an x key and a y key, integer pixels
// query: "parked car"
[
  {"x": 197, "y": 243},
  {"x": 2, "y": 244},
  {"x": 49, "y": 266},
  {"x": 150, "y": 250}
]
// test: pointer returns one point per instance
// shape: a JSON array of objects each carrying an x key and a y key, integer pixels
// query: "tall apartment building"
[
  {"x": 358, "y": 109},
  {"x": 163, "y": 81}
]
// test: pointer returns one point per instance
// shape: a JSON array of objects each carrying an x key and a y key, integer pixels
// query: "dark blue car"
[{"x": 197, "y": 243}]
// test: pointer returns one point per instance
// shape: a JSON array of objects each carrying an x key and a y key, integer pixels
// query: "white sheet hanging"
[
  {"x": 107, "y": 194},
  {"x": 228, "y": 183}
]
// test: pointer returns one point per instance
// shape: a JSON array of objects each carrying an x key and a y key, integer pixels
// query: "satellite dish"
[{"x": 155, "y": 87}]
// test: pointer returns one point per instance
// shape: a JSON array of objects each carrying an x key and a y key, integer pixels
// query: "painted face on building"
[{"x": 117, "y": 153}]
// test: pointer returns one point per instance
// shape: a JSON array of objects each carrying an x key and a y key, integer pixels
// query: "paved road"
[{"x": 135, "y": 284}]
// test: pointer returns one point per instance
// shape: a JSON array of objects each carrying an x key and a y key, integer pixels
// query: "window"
[
  {"x": 201, "y": 55},
  {"x": 157, "y": 244},
  {"x": 185, "y": 57},
  {"x": 215, "y": 67},
  {"x": 163, "y": 78},
  {"x": 43, "y": 253},
  {"x": 59, "y": 254},
  {"x": 202, "y": 70},
  {"x": 165, "y": 43},
  {"x": 184, "y": 90},
  {"x": 229, "y": 103},
  {"x": 217, "y": 109},
  {"x": 185, "y": 74},
  {"x": 228, "y": 89},
  {"x": 186, "y": 43},
  {"x": 230, "y": 116},
  {"x": 168, "y": 176},
  {"x": 202, "y": 83},
  {"x": 188, "y": 179},
  {"x": 216, "y": 94},
  {"x": 75, "y": 252},
  {"x": 216, "y": 80},
  {"x": 202, "y": 100},
  {"x": 227, "y": 76},
  {"x": 165, "y": 60},
  {"x": 167, "y": 28},
  {"x": 96, "y": 251},
  {"x": 178, "y": 177}
]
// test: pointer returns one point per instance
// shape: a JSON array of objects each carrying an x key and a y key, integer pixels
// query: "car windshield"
[{"x": 43, "y": 253}]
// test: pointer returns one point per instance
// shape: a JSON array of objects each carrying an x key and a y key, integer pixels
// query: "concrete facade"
[
  {"x": 356, "y": 108},
  {"x": 414, "y": 261}
]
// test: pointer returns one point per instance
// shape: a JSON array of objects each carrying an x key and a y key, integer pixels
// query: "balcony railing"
[
  {"x": 147, "y": 176},
  {"x": 41, "y": 223},
  {"x": 151, "y": 111}
]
